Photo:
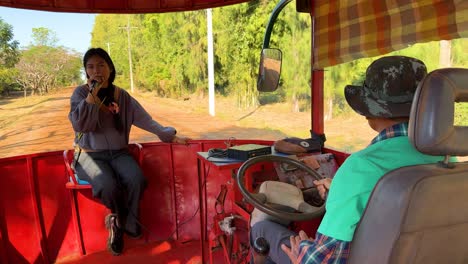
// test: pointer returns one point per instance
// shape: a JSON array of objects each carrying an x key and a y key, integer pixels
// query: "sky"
[{"x": 72, "y": 30}]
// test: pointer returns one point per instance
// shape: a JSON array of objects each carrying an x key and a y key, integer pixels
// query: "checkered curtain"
[{"x": 347, "y": 30}]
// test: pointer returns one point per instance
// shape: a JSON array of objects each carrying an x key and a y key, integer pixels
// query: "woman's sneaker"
[{"x": 115, "y": 241}]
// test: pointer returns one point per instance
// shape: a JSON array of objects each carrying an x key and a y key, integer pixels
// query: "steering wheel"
[{"x": 294, "y": 197}]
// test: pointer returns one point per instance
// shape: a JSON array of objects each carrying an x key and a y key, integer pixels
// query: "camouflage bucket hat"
[{"x": 388, "y": 89}]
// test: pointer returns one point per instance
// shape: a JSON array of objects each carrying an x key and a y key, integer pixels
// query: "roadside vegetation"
[{"x": 169, "y": 60}]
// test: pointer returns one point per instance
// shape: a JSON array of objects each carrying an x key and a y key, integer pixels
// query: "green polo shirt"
[{"x": 356, "y": 178}]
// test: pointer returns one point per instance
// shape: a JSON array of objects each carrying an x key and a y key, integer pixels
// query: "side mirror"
[{"x": 269, "y": 70}]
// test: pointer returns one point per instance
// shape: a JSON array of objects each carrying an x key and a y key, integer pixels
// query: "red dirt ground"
[
  {"x": 40, "y": 123},
  {"x": 31, "y": 126}
]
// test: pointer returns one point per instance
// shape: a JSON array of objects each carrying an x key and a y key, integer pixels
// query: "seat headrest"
[{"x": 431, "y": 126}]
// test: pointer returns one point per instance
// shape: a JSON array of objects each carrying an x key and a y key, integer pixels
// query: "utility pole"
[
  {"x": 108, "y": 48},
  {"x": 445, "y": 56},
  {"x": 211, "y": 91},
  {"x": 127, "y": 28}
]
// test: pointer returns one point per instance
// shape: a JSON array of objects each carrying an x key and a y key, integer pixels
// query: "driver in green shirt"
[{"x": 385, "y": 100}]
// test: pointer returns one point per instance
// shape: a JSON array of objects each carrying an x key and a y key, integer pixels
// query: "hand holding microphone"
[{"x": 94, "y": 83}]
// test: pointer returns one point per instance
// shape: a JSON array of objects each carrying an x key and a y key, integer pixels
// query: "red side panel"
[
  {"x": 20, "y": 227},
  {"x": 34, "y": 210},
  {"x": 186, "y": 191},
  {"x": 37, "y": 219},
  {"x": 157, "y": 207},
  {"x": 54, "y": 202},
  {"x": 91, "y": 218}
]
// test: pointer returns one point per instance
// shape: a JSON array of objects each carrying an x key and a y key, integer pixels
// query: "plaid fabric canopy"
[{"x": 346, "y": 30}]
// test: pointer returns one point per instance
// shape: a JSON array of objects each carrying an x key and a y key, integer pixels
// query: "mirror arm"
[{"x": 271, "y": 22}]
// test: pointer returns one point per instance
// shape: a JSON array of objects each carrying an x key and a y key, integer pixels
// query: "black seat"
[{"x": 419, "y": 214}]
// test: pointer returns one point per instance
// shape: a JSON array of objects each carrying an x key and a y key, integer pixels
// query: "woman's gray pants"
[{"x": 116, "y": 180}]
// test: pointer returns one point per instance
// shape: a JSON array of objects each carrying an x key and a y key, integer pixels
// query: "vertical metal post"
[
  {"x": 108, "y": 49},
  {"x": 211, "y": 91},
  {"x": 317, "y": 122}
]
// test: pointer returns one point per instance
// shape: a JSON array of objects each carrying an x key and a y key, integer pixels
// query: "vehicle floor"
[{"x": 153, "y": 252}]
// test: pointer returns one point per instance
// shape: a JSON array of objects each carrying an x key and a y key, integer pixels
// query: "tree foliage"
[
  {"x": 169, "y": 54},
  {"x": 44, "y": 37},
  {"x": 39, "y": 67},
  {"x": 44, "y": 66},
  {"x": 9, "y": 56}
]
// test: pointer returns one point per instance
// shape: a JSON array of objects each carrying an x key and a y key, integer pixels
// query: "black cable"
[
  {"x": 196, "y": 211},
  {"x": 221, "y": 155},
  {"x": 111, "y": 154},
  {"x": 188, "y": 220},
  {"x": 182, "y": 223},
  {"x": 217, "y": 153},
  {"x": 80, "y": 134}
]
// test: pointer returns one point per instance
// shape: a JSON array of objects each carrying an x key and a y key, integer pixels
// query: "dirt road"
[
  {"x": 30, "y": 126},
  {"x": 40, "y": 123}
]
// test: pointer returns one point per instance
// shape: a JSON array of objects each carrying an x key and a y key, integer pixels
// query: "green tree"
[
  {"x": 295, "y": 41},
  {"x": 169, "y": 51},
  {"x": 459, "y": 52},
  {"x": 238, "y": 39},
  {"x": 9, "y": 56},
  {"x": 44, "y": 37},
  {"x": 45, "y": 66},
  {"x": 42, "y": 68},
  {"x": 169, "y": 54}
]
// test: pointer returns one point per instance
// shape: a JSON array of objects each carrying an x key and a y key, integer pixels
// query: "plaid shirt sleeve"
[{"x": 323, "y": 250}]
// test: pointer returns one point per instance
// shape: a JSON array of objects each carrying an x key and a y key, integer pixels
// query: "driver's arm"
[
  {"x": 346, "y": 201},
  {"x": 306, "y": 251}
]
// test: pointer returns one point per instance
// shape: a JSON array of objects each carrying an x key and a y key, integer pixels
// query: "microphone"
[{"x": 93, "y": 84}]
